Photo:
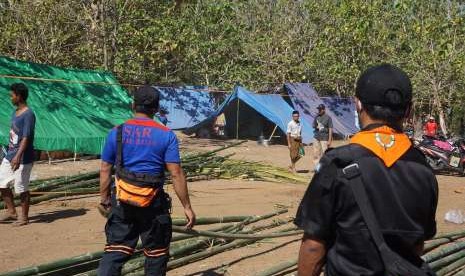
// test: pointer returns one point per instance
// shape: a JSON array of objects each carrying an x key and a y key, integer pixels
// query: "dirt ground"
[{"x": 67, "y": 227}]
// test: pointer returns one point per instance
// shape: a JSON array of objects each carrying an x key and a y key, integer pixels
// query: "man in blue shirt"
[
  {"x": 140, "y": 150},
  {"x": 17, "y": 165}
]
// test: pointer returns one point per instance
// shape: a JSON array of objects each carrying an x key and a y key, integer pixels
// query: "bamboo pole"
[
  {"x": 95, "y": 256},
  {"x": 457, "y": 234},
  {"x": 38, "y": 199},
  {"x": 434, "y": 255},
  {"x": 211, "y": 220},
  {"x": 446, "y": 260},
  {"x": 202, "y": 242},
  {"x": 234, "y": 236},
  {"x": 430, "y": 245},
  {"x": 177, "y": 250},
  {"x": 237, "y": 119},
  {"x": 215, "y": 250},
  {"x": 460, "y": 273},
  {"x": 212, "y": 251},
  {"x": 55, "y": 265},
  {"x": 278, "y": 268}
]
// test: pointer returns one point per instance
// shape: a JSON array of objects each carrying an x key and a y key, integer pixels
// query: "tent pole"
[
  {"x": 272, "y": 133},
  {"x": 237, "y": 120},
  {"x": 75, "y": 149},
  {"x": 49, "y": 158}
]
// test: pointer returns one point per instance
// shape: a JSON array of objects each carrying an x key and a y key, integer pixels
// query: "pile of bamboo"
[
  {"x": 445, "y": 254},
  {"x": 186, "y": 246},
  {"x": 197, "y": 166}
]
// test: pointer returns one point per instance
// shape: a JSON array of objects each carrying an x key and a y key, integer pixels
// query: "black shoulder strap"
[
  {"x": 394, "y": 264},
  {"x": 352, "y": 172},
  {"x": 119, "y": 148}
]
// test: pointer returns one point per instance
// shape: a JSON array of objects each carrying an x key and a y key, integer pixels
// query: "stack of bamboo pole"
[
  {"x": 445, "y": 254},
  {"x": 197, "y": 166},
  {"x": 187, "y": 247}
]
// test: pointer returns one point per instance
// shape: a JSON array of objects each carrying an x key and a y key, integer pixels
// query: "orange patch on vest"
[{"x": 384, "y": 142}]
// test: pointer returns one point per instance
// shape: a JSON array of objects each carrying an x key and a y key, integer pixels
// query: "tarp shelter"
[
  {"x": 74, "y": 109},
  {"x": 249, "y": 115},
  {"x": 186, "y": 106},
  {"x": 343, "y": 109},
  {"x": 305, "y": 100}
]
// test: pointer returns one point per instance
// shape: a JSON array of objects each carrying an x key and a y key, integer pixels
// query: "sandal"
[
  {"x": 8, "y": 217},
  {"x": 20, "y": 222}
]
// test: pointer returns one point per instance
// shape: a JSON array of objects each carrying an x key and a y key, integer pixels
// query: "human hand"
[
  {"x": 104, "y": 207},
  {"x": 15, "y": 162},
  {"x": 190, "y": 216}
]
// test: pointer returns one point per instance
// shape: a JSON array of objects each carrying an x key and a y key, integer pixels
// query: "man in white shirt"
[{"x": 294, "y": 139}]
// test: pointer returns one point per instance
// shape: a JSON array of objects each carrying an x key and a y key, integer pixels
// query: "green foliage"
[{"x": 259, "y": 43}]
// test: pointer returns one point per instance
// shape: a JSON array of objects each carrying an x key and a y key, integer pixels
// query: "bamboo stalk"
[
  {"x": 212, "y": 220},
  {"x": 88, "y": 257},
  {"x": 212, "y": 251},
  {"x": 434, "y": 255},
  {"x": 457, "y": 234},
  {"x": 38, "y": 199},
  {"x": 234, "y": 236},
  {"x": 278, "y": 268},
  {"x": 430, "y": 245},
  {"x": 185, "y": 248},
  {"x": 460, "y": 273},
  {"x": 81, "y": 191},
  {"x": 55, "y": 265},
  {"x": 446, "y": 260},
  {"x": 215, "y": 250}
]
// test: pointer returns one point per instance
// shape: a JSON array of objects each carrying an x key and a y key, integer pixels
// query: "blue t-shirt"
[
  {"x": 147, "y": 146},
  {"x": 22, "y": 126}
]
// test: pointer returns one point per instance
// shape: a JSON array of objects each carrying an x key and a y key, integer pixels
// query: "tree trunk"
[{"x": 438, "y": 104}]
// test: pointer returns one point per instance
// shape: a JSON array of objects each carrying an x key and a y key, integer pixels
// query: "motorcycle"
[{"x": 442, "y": 154}]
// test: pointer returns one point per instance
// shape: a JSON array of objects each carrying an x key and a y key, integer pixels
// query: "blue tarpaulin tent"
[
  {"x": 186, "y": 106},
  {"x": 257, "y": 115},
  {"x": 305, "y": 99}
]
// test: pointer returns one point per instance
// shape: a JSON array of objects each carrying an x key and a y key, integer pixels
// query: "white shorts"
[{"x": 20, "y": 177}]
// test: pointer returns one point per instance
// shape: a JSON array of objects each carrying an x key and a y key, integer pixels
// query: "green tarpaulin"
[{"x": 73, "y": 115}]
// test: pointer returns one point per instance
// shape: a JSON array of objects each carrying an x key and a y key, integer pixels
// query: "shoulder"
[
  {"x": 172, "y": 134},
  {"x": 344, "y": 155},
  {"x": 113, "y": 131},
  {"x": 415, "y": 155}
]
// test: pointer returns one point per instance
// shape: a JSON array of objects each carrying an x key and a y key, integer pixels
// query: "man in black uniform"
[{"x": 400, "y": 187}]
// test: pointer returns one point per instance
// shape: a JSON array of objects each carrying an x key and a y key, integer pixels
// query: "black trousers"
[{"x": 126, "y": 224}]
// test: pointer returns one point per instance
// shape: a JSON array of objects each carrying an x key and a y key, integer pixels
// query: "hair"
[
  {"x": 148, "y": 110},
  {"x": 392, "y": 113},
  {"x": 295, "y": 112},
  {"x": 21, "y": 90}
]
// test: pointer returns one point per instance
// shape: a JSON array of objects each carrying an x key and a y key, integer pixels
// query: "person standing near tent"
[
  {"x": 294, "y": 139},
  {"x": 323, "y": 134},
  {"x": 140, "y": 150},
  {"x": 162, "y": 116},
  {"x": 17, "y": 165},
  {"x": 362, "y": 213}
]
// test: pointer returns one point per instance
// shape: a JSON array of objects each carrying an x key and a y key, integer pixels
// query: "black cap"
[
  {"x": 146, "y": 96},
  {"x": 384, "y": 85},
  {"x": 321, "y": 107}
]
